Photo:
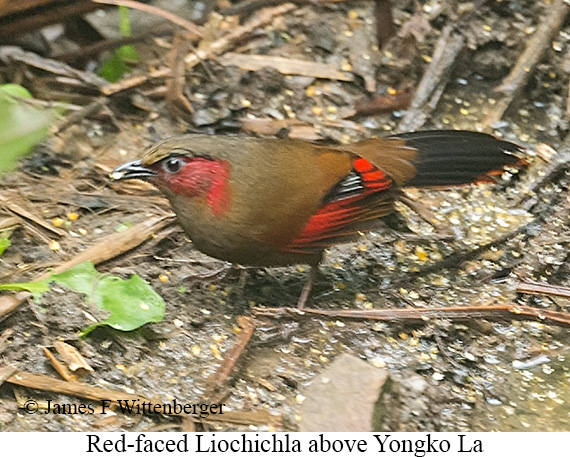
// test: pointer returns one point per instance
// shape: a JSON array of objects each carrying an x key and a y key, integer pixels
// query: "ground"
[{"x": 474, "y": 375}]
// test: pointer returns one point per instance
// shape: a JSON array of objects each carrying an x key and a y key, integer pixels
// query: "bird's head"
[{"x": 181, "y": 172}]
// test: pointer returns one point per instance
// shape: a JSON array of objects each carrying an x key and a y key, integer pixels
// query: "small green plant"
[
  {"x": 4, "y": 241},
  {"x": 118, "y": 64},
  {"x": 132, "y": 303}
]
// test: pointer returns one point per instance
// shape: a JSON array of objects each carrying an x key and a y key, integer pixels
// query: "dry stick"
[
  {"x": 558, "y": 167},
  {"x": 6, "y": 372},
  {"x": 9, "y": 222},
  {"x": 175, "y": 86},
  {"x": 465, "y": 313},
  {"x": 217, "y": 47},
  {"x": 61, "y": 369},
  {"x": 538, "y": 288},
  {"x": 77, "y": 116},
  {"x": 217, "y": 380},
  {"x": 111, "y": 43},
  {"x": 55, "y": 67},
  {"x": 286, "y": 66},
  {"x": 229, "y": 40},
  {"x": 247, "y": 7},
  {"x": 72, "y": 357},
  {"x": 538, "y": 43},
  {"x": 17, "y": 209},
  {"x": 78, "y": 389},
  {"x": 47, "y": 383},
  {"x": 457, "y": 257},
  {"x": 192, "y": 28},
  {"x": 446, "y": 51},
  {"x": 107, "y": 248}
]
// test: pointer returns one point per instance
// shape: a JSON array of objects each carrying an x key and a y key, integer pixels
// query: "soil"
[{"x": 478, "y": 375}]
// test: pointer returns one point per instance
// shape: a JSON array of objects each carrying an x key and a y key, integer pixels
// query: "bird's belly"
[
  {"x": 235, "y": 245},
  {"x": 249, "y": 253}
]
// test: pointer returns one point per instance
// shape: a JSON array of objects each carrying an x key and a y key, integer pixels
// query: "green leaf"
[
  {"x": 80, "y": 278},
  {"x": 36, "y": 287},
  {"x": 22, "y": 126},
  {"x": 15, "y": 90},
  {"x": 4, "y": 241},
  {"x": 114, "y": 68},
  {"x": 128, "y": 54},
  {"x": 132, "y": 303}
]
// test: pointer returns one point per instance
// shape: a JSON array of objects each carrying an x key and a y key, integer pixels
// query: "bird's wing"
[{"x": 356, "y": 202}]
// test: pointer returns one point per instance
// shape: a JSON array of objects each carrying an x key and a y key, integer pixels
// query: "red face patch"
[{"x": 202, "y": 177}]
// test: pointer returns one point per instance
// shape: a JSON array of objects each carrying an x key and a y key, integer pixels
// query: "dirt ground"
[{"x": 473, "y": 375}]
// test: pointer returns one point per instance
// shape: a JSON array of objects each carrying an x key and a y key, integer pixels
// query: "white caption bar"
[{"x": 286, "y": 444}]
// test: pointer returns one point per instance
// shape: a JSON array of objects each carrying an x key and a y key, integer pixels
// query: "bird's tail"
[{"x": 457, "y": 157}]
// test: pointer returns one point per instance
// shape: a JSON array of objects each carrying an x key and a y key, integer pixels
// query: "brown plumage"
[{"x": 271, "y": 202}]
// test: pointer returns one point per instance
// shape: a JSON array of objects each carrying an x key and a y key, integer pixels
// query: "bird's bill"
[{"x": 132, "y": 170}]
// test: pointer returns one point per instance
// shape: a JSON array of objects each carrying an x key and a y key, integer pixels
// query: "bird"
[{"x": 269, "y": 202}]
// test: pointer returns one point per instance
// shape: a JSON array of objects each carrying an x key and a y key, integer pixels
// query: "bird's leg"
[
  {"x": 306, "y": 292},
  {"x": 307, "y": 287}
]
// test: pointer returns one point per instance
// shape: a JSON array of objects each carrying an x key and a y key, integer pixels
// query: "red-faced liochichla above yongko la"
[{"x": 275, "y": 202}]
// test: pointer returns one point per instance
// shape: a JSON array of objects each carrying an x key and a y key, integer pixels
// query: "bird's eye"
[{"x": 173, "y": 165}]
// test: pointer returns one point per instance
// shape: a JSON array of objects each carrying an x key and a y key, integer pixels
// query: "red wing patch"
[{"x": 361, "y": 197}]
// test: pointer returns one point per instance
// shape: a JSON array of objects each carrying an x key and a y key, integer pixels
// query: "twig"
[
  {"x": 229, "y": 40},
  {"x": 175, "y": 85},
  {"x": 55, "y": 67},
  {"x": 461, "y": 256},
  {"x": 9, "y": 222},
  {"x": 424, "y": 212},
  {"x": 6, "y": 372},
  {"x": 17, "y": 209},
  {"x": 446, "y": 51},
  {"x": 72, "y": 357},
  {"x": 558, "y": 166},
  {"x": 539, "y": 288},
  {"x": 47, "y": 383},
  {"x": 555, "y": 16},
  {"x": 61, "y": 369},
  {"x": 286, "y": 66},
  {"x": 465, "y": 313},
  {"x": 231, "y": 357},
  {"x": 78, "y": 116},
  {"x": 192, "y": 28},
  {"x": 78, "y": 389},
  {"x": 129, "y": 83},
  {"x": 248, "y": 7}
]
